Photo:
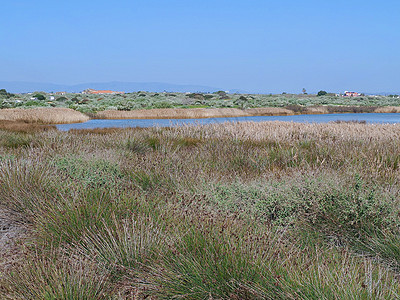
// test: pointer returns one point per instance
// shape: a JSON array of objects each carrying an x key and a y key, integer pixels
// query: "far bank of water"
[{"x": 382, "y": 118}]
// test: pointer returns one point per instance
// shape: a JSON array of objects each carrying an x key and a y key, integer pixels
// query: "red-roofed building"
[{"x": 351, "y": 94}]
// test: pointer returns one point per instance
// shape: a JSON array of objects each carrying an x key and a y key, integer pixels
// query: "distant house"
[
  {"x": 351, "y": 94},
  {"x": 95, "y": 92},
  {"x": 60, "y": 93}
]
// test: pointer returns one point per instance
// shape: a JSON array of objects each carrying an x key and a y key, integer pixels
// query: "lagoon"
[{"x": 379, "y": 118}]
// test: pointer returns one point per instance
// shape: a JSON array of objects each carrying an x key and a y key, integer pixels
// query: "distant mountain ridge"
[{"x": 26, "y": 87}]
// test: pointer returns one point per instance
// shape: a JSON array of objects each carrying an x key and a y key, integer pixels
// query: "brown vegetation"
[
  {"x": 388, "y": 109},
  {"x": 191, "y": 113},
  {"x": 65, "y": 115},
  {"x": 18, "y": 126},
  {"x": 43, "y": 115},
  {"x": 102, "y": 131},
  {"x": 197, "y": 113},
  {"x": 268, "y": 210}
]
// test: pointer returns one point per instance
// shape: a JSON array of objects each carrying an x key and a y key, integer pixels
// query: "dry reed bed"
[
  {"x": 191, "y": 113},
  {"x": 43, "y": 115},
  {"x": 270, "y": 210},
  {"x": 66, "y": 115},
  {"x": 19, "y": 126},
  {"x": 388, "y": 109},
  {"x": 198, "y": 113}
]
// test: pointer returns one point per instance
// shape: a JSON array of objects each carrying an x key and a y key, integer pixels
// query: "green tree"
[
  {"x": 322, "y": 93},
  {"x": 4, "y": 93},
  {"x": 39, "y": 96}
]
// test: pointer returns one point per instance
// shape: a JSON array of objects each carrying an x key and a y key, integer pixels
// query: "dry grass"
[
  {"x": 388, "y": 109},
  {"x": 269, "y": 210},
  {"x": 192, "y": 113},
  {"x": 316, "y": 110},
  {"x": 43, "y": 115},
  {"x": 101, "y": 131},
  {"x": 65, "y": 115},
  {"x": 18, "y": 126},
  {"x": 198, "y": 113}
]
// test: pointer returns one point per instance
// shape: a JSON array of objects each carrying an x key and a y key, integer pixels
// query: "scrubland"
[
  {"x": 267, "y": 210},
  {"x": 178, "y": 105}
]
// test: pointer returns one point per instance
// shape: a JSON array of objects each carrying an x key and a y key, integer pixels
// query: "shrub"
[
  {"x": 39, "y": 96},
  {"x": 61, "y": 99},
  {"x": 5, "y": 94},
  {"x": 163, "y": 104},
  {"x": 196, "y": 96}
]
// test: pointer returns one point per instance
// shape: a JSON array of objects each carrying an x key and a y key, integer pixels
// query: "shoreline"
[{"x": 68, "y": 116}]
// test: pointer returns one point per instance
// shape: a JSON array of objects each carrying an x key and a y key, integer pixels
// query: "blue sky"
[{"x": 258, "y": 46}]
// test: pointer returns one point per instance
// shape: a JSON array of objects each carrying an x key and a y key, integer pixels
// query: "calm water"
[{"x": 369, "y": 117}]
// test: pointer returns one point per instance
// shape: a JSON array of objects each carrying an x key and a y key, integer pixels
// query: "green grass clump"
[
  {"x": 67, "y": 222},
  {"x": 16, "y": 141},
  {"x": 53, "y": 278},
  {"x": 94, "y": 173}
]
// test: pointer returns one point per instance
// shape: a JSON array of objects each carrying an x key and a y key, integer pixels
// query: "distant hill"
[{"x": 26, "y": 87}]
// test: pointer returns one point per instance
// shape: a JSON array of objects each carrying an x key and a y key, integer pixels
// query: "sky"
[{"x": 258, "y": 46}]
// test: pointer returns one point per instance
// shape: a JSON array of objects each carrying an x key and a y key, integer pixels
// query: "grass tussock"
[
  {"x": 268, "y": 210},
  {"x": 49, "y": 277}
]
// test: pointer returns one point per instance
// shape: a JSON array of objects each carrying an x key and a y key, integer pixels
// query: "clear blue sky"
[{"x": 255, "y": 45}]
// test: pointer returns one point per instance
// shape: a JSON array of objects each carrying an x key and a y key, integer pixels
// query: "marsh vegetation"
[{"x": 268, "y": 210}]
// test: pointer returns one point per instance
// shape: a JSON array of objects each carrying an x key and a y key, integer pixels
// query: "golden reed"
[{"x": 43, "y": 115}]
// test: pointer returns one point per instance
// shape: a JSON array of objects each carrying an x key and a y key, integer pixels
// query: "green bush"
[
  {"x": 39, "y": 96},
  {"x": 163, "y": 104}
]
